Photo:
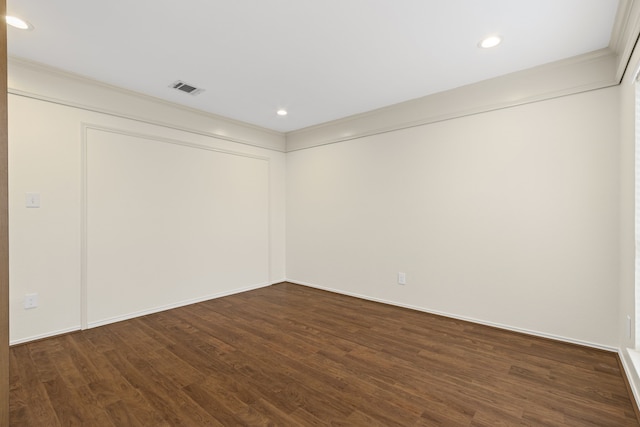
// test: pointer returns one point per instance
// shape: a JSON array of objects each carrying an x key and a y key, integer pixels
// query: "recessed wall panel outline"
[{"x": 167, "y": 222}]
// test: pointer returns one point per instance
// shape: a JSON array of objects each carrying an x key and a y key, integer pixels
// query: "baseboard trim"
[
  {"x": 623, "y": 359},
  {"x": 141, "y": 313},
  {"x": 174, "y": 305},
  {"x": 44, "y": 336},
  {"x": 463, "y": 318},
  {"x": 628, "y": 367}
]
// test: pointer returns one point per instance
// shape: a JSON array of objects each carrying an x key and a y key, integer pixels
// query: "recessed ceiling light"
[
  {"x": 489, "y": 42},
  {"x": 18, "y": 23},
  {"x": 281, "y": 112}
]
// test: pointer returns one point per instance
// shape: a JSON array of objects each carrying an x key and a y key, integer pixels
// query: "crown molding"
[
  {"x": 621, "y": 25},
  {"x": 582, "y": 73},
  {"x": 591, "y": 71},
  {"x": 625, "y": 34},
  {"x": 39, "y": 81}
]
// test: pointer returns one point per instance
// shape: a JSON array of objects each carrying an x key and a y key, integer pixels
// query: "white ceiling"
[{"x": 320, "y": 59}]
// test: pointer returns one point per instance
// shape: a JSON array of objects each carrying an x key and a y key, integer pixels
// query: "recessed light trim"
[
  {"x": 282, "y": 112},
  {"x": 489, "y": 42},
  {"x": 18, "y": 23}
]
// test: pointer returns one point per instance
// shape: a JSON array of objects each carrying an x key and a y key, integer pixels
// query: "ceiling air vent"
[{"x": 187, "y": 88}]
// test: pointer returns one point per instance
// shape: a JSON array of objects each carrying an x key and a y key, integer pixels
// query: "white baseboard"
[
  {"x": 459, "y": 317},
  {"x": 44, "y": 335},
  {"x": 625, "y": 360},
  {"x": 630, "y": 360},
  {"x": 142, "y": 313},
  {"x": 175, "y": 305}
]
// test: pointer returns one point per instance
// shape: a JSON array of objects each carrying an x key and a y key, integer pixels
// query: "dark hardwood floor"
[{"x": 287, "y": 355}]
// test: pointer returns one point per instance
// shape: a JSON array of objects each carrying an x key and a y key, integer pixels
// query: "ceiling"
[{"x": 320, "y": 59}]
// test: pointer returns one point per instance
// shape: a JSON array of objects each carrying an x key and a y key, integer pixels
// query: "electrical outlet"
[
  {"x": 402, "y": 278},
  {"x": 30, "y": 301}
]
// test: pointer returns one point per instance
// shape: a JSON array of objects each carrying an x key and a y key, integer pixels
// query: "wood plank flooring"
[{"x": 288, "y": 355}]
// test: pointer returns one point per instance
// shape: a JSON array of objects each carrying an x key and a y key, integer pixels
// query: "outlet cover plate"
[
  {"x": 402, "y": 278},
  {"x": 30, "y": 301}
]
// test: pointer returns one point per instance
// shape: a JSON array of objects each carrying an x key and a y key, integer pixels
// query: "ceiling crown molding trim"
[
  {"x": 625, "y": 33},
  {"x": 38, "y": 81},
  {"x": 621, "y": 25},
  {"x": 595, "y": 70}
]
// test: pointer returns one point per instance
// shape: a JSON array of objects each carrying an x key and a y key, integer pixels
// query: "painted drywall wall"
[
  {"x": 508, "y": 217},
  {"x": 47, "y": 246},
  {"x": 628, "y": 306},
  {"x": 168, "y": 222},
  {"x": 627, "y": 217}
]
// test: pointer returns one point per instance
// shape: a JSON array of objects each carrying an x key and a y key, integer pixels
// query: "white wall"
[
  {"x": 47, "y": 245},
  {"x": 508, "y": 217},
  {"x": 627, "y": 207},
  {"x": 168, "y": 222},
  {"x": 628, "y": 307}
]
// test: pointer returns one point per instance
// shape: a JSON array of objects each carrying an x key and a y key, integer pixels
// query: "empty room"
[{"x": 305, "y": 212}]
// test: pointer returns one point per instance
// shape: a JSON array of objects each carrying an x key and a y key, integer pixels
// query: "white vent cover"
[{"x": 186, "y": 88}]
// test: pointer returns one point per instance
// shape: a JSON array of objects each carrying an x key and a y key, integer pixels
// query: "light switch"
[
  {"x": 30, "y": 301},
  {"x": 33, "y": 200}
]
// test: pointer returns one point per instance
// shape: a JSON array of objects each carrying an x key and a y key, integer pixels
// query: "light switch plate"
[
  {"x": 33, "y": 200},
  {"x": 30, "y": 301}
]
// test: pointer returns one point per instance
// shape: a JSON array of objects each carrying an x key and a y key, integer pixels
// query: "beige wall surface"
[
  {"x": 48, "y": 245},
  {"x": 628, "y": 303},
  {"x": 627, "y": 207},
  {"x": 169, "y": 222},
  {"x": 508, "y": 217}
]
